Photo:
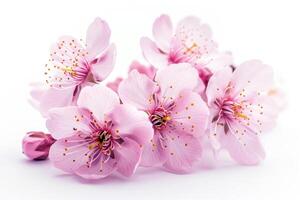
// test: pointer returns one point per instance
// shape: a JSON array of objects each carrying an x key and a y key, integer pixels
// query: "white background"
[{"x": 267, "y": 30}]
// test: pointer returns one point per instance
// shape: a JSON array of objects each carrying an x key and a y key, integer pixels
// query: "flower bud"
[{"x": 36, "y": 145}]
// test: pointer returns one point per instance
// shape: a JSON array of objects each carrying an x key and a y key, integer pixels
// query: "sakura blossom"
[
  {"x": 74, "y": 65},
  {"x": 177, "y": 114},
  {"x": 241, "y": 110},
  {"x": 190, "y": 42},
  {"x": 99, "y": 135}
]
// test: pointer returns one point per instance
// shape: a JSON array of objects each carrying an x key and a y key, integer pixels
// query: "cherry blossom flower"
[
  {"x": 178, "y": 115},
  {"x": 99, "y": 135},
  {"x": 73, "y": 65},
  {"x": 241, "y": 110},
  {"x": 191, "y": 42},
  {"x": 36, "y": 145}
]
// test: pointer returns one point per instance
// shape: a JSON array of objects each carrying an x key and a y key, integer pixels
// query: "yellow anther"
[
  {"x": 190, "y": 49},
  {"x": 237, "y": 111},
  {"x": 167, "y": 118},
  {"x": 69, "y": 70},
  {"x": 241, "y": 115},
  {"x": 93, "y": 145}
]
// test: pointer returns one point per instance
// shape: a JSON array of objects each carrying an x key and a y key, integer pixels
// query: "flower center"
[
  {"x": 77, "y": 73},
  {"x": 105, "y": 141},
  {"x": 184, "y": 53},
  {"x": 159, "y": 118},
  {"x": 229, "y": 109}
]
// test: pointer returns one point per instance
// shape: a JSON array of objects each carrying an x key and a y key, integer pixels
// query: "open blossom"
[
  {"x": 241, "y": 110},
  {"x": 191, "y": 42},
  {"x": 178, "y": 115},
  {"x": 73, "y": 65},
  {"x": 98, "y": 136}
]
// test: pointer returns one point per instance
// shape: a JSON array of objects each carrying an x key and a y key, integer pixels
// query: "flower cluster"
[{"x": 191, "y": 99}]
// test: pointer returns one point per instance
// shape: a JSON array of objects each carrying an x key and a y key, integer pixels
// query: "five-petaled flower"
[
  {"x": 241, "y": 109},
  {"x": 191, "y": 42},
  {"x": 73, "y": 65},
  {"x": 178, "y": 115},
  {"x": 98, "y": 136}
]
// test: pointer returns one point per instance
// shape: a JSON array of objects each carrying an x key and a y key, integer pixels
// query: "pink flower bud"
[{"x": 36, "y": 145}]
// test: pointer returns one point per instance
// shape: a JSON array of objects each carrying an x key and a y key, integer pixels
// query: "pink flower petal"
[
  {"x": 69, "y": 153},
  {"x": 128, "y": 156},
  {"x": 131, "y": 123},
  {"x": 63, "y": 122},
  {"x": 137, "y": 89},
  {"x": 98, "y": 169},
  {"x": 148, "y": 71},
  {"x": 244, "y": 148},
  {"x": 190, "y": 115},
  {"x": 162, "y": 32},
  {"x": 98, "y": 99},
  {"x": 191, "y": 32},
  {"x": 252, "y": 76},
  {"x": 97, "y": 38},
  {"x": 216, "y": 129},
  {"x": 65, "y": 67},
  {"x": 183, "y": 151},
  {"x": 152, "y": 53},
  {"x": 153, "y": 153},
  {"x": 114, "y": 85},
  {"x": 261, "y": 114},
  {"x": 217, "y": 84},
  {"x": 104, "y": 65},
  {"x": 175, "y": 78},
  {"x": 45, "y": 98},
  {"x": 215, "y": 61}
]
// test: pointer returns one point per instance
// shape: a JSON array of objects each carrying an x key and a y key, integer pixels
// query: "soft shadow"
[
  {"x": 111, "y": 179},
  {"x": 142, "y": 174},
  {"x": 35, "y": 162}
]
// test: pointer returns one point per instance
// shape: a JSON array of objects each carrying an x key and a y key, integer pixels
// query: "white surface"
[{"x": 267, "y": 30}]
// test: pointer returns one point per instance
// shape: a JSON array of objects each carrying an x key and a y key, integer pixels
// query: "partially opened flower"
[
  {"x": 241, "y": 110},
  {"x": 36, "y": 145},
  {"x": 178, "y": 115},
  {"x": 190, "y": 42},
  {"x": 99, "y": 135},
  {"x": 73, "y": 65}
]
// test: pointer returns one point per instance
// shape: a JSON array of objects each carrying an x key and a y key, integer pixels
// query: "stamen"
[
  {"x": 69, "y": 70},
  {"x": 190, "y": 49},
  {"x": 237, "y": 111},
  {"x": 167, "y": 118}
]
